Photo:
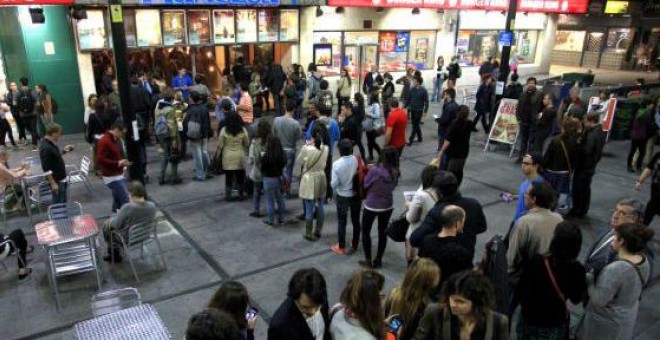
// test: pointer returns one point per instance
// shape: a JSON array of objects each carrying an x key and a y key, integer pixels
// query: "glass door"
[{"x": 358, "y": 60}]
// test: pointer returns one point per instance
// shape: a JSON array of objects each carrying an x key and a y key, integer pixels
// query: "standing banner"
[
  {"x": 605, "y": 109},
  {"x": 505, "y": 128}
]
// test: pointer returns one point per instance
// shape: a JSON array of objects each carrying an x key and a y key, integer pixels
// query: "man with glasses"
[
  {"x": 530, "y": 168},
  {"x": 628, "y": 210},
  {"x": 304, "y": 313}
]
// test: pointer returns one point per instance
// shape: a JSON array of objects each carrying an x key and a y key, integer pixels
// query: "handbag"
[{"x": 398, "y": 228}]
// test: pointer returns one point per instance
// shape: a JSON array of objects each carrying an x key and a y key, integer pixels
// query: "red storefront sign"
[
  {"x": 35, "y": 2},
  {"x": 544, "y": 6}
]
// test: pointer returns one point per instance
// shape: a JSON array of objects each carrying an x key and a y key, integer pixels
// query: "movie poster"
[{"x": 223, "y": 26}]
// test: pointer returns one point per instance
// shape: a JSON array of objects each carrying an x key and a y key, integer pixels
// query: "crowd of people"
[{"x": 443, "y": 294}]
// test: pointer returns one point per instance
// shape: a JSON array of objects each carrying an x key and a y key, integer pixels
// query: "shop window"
[
  {"x": 199, "y": 27},
  {"x": 91, "y": 31},
  {"x": 393, "y": 51},
  {"x": 334, "y": 39},
  {"x": 147, "y": 24},
  {"x": 268, "y": 25},
  {"x": 475, "y": 46},
  {"x": 174, "y": 28},
  {"x": 289, "y": 22},
  {"x": 422, "y": 50},
  {"x": 525, "y": 46},
  {"x": 246, "y": 26},
  {"x": 361, "y": 38},
  {"x": 224, "y": 31},
  {"x": 570, "y": 41},
  {"x": 618, "y": 40}
]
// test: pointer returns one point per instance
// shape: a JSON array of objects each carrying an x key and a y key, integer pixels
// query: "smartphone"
[
  {"x": 251, "y": 313},
  {"x": 395, "y": 324}
]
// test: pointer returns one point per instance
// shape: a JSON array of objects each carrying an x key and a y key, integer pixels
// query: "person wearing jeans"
[
  {"x": 439, "y": 80},
  {"x": 272, "y": 164},
  {"x": 417, "y": 105},
  {"x": 288, "y": 131},
  {"x": 110, "y": 159},
  {"x": 255, "y": 152},
  {"x": 380, "y": 182},
  {"x": 344, "y": 171},
  {"x": 312, "y": 158},
  {"x": 197, "y": 128}
]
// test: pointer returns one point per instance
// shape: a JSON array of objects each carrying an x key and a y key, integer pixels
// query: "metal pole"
[
  {"x": 133, "y": 147},
  {"x": 506, "y": 50}
]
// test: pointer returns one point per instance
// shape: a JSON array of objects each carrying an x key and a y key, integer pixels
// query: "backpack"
[
  {"x": 161, "y": 128},
  {"x": 358, "y": 179},
  {"x": 54, "y": 107},
  {"x": 315, "y": 86},
  {"x": 325, "y": 101},
  {"x": 194, "y": 131},
  {"x": 26, "y": 103}
]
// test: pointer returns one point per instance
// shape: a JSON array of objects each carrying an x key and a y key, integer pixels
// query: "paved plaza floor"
[{"x": 208, "y": 241}]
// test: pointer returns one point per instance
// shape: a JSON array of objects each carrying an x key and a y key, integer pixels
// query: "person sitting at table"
[
  {"x": 8, "y": 178},
  {"x": 138, "y": 210},
  {"x": 20, "y": 243}
]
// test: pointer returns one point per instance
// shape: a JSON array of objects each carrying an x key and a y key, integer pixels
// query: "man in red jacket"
[
  {"x": 395, "y": 133},
  {"x": 110, "y": 158}
]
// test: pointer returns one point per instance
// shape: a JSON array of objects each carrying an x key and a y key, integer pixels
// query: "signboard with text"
[
  {"x": 505, "y": 127},
  {"x": 543, "y": 6},
  {"x": 35, "y": 2},
  {"x": 212, "y": 2}
]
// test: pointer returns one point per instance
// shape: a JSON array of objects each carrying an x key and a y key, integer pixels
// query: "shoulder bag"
[
  {"x": 546, "y": 262},
  {"x": 568, "y": 160},
  {"x": 398, "y": 227}
]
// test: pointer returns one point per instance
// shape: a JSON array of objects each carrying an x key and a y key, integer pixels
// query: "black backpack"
[
  {"x": 26, "y": 102},
  {"x": 53, "y": 105},
  {"x": 325, "y": 101}
]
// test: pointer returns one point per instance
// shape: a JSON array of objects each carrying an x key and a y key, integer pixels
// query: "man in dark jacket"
[
  {"x": 528, "y": 108},
  {"x": 486, "y": 68},
  {"x": 306, "y": 303},
  {"x": 484, "y": 104},
  {"x": 198, "y": 139},
  {"x": 241, "y": 71},
  {"x": 141, "y": 105},
  {"x": 514, "y": 89},
  {"x": 372, "y": 80},
  {"x": 449, "y": 113},
  {"x": 590, "y": 152},
  {"x": 348, "y": 124},
  {"x": 475, "y": 221},
  {"x": 275, "y": 81},
  {"x": 417, "y": 105}
]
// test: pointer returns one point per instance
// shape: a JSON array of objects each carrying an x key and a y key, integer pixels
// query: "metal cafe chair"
[
  {"x": 59, "y": 211},
  {"x": 80, "y": 174},
  {"x": 138, "y": 236},
  {"x": 115, "y": 300},
  {"x": 40, "y": 195},
  {"x": 70, "y": 258}
]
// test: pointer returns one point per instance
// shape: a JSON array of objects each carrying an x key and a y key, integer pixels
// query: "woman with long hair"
[
  {"x": 439, "y": 79},
  {"x": 411, "y": 298},
  {"x": 232, "y": 297},
  {"x": 91, "y": 107},
  {"x": 372, "y": 124},
  {"x": 313, "y": 157},
  {"x": 614, "y": 296},
  {"x": 272, "y": 168},
  {"x": 457, "y": 143},
  {"x": 359, "y": 314},
  {"x": 466, "y": 309},
  {"x": 255, "y": 152},
  {"x": 344, "y": 88},
  {"x": 380, "y": 182},
  {"x": 560, "y": 157},
  {"x": 358, "y": 112},
  {"x": 233, "y": 141},
  {"x": 544, "y": 314},
  {"x": 420, "y": 205}
]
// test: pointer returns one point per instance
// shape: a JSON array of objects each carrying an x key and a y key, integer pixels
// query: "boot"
[
  {"x": 309, "y": 225},
  {"x": 319, "y": 227}
]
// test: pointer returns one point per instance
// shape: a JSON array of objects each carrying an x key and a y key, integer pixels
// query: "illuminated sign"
[
  {"x": 616, "y": 7},
  {"x": 543, "y": 6},
  {"x": 212, "y": 2}
]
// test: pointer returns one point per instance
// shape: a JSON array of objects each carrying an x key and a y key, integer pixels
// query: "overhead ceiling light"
[
  {"x": 380, "y": 9},
  {"x": 37, "y": 15},
  {"x": 339, "y": 10},
  {"x": 415, "y": 11},
  {"x": 319, "y": 11}
]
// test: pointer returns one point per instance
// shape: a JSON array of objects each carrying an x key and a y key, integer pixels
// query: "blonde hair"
[{"x": 420, "y": 280}]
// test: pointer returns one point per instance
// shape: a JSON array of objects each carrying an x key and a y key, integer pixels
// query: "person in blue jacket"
[{"x": 182, "y": 82}]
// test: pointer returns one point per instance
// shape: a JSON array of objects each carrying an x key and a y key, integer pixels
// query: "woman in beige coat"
[
  {"x": 420, "y": 205},
  {"x": 313, "y": 157},
  {"x": 233, "y": 141}
]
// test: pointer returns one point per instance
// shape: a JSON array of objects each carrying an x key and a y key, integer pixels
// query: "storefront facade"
[{"x": 206, "y": 40}]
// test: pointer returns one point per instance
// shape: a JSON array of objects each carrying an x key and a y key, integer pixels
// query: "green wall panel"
[
  {"x": 13, "y": 48},
  {"x": 58, "y": 71}
]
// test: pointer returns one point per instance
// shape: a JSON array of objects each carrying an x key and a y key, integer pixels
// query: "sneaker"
[
  {"x": 269, "y": 223},
  {"x": 22, "y": 277},
  {"x": 338, "y": 250},
  {"x": 256, "y": 214}
]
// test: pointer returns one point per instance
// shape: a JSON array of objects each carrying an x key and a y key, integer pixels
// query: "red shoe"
[{"x": 337, "y": 250}]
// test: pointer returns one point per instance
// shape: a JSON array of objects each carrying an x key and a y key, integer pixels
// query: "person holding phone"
[
  {"x": 233, "y": 298},
  {"x": 304, "y": 313},
  {"x": 110, "y": 159},
  {"x": 51, "y": 160}
]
